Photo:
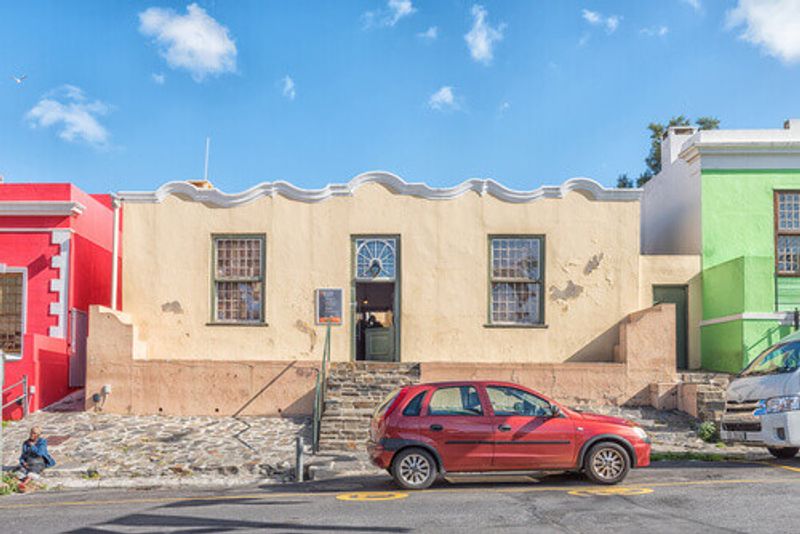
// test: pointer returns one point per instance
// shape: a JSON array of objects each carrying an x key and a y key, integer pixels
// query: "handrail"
[
  {"x": 320, "y": 389},
  {"x": 22, "y": 399}
]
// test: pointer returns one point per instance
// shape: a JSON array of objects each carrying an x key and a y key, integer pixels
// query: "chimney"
[
  {"x": 672, "y": 143},
  {"x": 792, "y": 124}
]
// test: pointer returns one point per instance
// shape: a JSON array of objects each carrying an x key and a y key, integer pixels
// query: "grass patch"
[
  {"x": 688, "y": 455},
  {"x": 91, "y": 474},
  {"x": 8, "y": 484}
]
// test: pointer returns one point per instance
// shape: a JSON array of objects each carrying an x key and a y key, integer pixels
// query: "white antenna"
[{"x": 205, "y": 170}]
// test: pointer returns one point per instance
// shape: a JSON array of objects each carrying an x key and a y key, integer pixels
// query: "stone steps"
[{"x": 354, "y": 390}]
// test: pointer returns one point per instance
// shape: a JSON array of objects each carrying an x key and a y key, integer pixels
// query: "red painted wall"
[{"x": 45, "y": 360}]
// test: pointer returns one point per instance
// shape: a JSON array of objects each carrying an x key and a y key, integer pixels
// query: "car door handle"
[
  {"x": 504, "y": 428},
  {"x": 436, "y": 428}
]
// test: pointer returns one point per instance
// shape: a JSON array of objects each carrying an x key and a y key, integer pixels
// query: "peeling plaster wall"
[{"x": 589, "y": 244}]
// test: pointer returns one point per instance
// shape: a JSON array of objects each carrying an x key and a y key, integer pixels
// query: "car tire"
[
  {"x": 607, "y": 463},
  {"x": 414, "y": 469},
  {"x": 783, "y": 453}
]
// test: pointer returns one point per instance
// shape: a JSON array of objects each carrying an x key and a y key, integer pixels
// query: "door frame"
[
  {"x": 685, "y": 288},
  {"x": 397, "y": 290}
]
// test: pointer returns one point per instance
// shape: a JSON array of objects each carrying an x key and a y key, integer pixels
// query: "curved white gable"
[{"x": 391, "y": 181}]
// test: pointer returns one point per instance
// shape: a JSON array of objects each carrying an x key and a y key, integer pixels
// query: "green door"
[{"x": 677, "y": 295}]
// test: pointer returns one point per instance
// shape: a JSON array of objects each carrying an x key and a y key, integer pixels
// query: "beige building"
[{"x": 220, "y": 303}]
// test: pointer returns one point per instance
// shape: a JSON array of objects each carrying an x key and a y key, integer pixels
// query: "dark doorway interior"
[{"x": 375, "y": 321}]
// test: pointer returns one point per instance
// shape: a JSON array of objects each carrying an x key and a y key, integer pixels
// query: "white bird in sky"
[{"x": 19, "y": 79}]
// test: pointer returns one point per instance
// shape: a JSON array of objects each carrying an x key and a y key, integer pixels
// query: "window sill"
[
  {"x": 238, "y": 324},
  {"x": 534, "y": 326}
]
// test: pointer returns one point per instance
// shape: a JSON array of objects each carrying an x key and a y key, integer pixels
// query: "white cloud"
[
  {"x": 288, "y": 87},
  {"x": 482, "y": 37},
  {"x": 504, "y": 106},
  {"x": 443, "y": 99},
  {"x": 195, "y": 41},
  {"x": 655, "y": 31},
  {"x": 158, "y": 78},
  {"x": 773, "y": 25},
  {"x": 695, "y": 4},
  {"x": 394, "y": 12},
  {"x": 430, "y": 34},
  {"x": 611, "y": 22},
  {"x": 72, "y": 114}
]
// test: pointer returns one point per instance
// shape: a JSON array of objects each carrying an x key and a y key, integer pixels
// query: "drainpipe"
[{"x": 115, "y": 202}]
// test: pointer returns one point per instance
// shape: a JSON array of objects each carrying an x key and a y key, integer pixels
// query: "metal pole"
[
  {"x": 115, "y": 254},
  {"x": 205, "y": 167},
  {"x": 24, "y": 396},
  {"x": 298, "y": 463}
]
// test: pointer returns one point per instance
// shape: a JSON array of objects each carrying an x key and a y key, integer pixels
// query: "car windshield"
[{"x": 784, "y": 358}]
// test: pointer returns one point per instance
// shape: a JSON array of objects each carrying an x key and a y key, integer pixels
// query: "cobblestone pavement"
[
  {"x": 675, "y": 432},
  {"x": 102, "y": 450},
  {"x": 92, "y": 449}
]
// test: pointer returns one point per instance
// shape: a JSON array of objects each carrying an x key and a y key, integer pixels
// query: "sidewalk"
[{"x": 102, "y": 450}]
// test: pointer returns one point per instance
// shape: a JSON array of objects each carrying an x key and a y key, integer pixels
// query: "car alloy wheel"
[
  {"x": 414, "y": 469},
  {"x": 607, "y": 463}
]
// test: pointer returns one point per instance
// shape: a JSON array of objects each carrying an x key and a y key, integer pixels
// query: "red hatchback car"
[{"x": 423, "y": 431}]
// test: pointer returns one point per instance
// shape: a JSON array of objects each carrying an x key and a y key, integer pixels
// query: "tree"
[
  {"x": 657, "y": 131},
  {"x": 624, "y": 182}
]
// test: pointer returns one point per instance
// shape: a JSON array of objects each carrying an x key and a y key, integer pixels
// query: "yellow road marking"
[
  {"x": 310, "y": 494},
  {"x": 614, "y": 490},
  {"x": 372, "y": 496}
]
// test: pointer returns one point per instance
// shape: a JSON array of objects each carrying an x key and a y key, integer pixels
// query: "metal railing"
[
  {"x": 321, "y": 389},
  {"x": 787, "y": 302},
  {"x": 23, "y": 398}
]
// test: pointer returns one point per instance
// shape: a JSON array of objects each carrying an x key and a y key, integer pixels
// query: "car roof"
[{"x": 471, "y": 382}]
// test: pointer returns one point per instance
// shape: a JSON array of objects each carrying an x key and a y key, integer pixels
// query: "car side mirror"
[{"x": 555, "y": 410}]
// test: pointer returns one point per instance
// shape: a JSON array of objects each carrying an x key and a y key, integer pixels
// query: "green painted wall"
[{"x": 739, "y": 264}]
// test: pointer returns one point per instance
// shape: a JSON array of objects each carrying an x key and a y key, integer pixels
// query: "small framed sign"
[{"x": 329, "y": 305}]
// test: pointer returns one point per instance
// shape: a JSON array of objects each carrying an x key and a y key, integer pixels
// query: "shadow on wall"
[{"x": 600, "y": 349}]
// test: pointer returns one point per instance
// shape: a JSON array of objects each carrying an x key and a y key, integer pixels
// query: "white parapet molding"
[
  {"x": 783, "y": 317},
  {"x": 40, "y": 208},
  {"x": 394, "y": 183}
]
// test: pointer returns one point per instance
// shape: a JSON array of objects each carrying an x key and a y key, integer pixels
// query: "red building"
[{"x": 56, "y": 247}]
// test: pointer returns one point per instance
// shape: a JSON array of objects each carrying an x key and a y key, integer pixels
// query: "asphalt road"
[{"x": 668, "y": 497}]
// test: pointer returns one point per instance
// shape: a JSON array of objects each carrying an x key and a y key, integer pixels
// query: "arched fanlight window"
[{"x": 376, "y": 259}]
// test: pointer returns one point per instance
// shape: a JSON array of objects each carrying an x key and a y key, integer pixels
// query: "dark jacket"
[{"x": 39, "y": 449}]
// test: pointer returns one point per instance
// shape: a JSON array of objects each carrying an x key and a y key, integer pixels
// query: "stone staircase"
[
  {"x": 354, "y": 391},
  {"x": 703, "y": 394}
]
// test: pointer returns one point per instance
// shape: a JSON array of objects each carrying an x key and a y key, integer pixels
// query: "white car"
[{"x": 763, "y": 403}]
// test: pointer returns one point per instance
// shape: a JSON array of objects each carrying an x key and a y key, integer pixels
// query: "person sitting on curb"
[{"x": 34, "y": 459}]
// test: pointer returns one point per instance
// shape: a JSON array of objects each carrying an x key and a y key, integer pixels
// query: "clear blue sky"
[{"x": 121, "y": 95}]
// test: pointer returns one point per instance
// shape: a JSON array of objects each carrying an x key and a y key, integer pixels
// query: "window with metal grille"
[
  {"x": 239, "y": 279},
  {"x": 11, "y": 309},
  {"x": 516, "y": 280},
  {"x": 787, "y": 232}
]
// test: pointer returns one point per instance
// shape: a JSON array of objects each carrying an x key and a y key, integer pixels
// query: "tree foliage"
[
  {"x": 624, "y": 182},
  {"x": 657, "y": 131}
]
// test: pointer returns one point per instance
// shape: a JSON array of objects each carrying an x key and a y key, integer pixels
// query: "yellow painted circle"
[
  {"x": 372, "y": 496},
  {"x": 613, "y": 490}
]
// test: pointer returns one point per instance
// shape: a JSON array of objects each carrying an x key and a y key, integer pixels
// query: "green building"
[{"x": 732, "y": 197}]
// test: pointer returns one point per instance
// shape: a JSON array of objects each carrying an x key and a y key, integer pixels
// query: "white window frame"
[
  {"x": 491, "y": 280},
  {"x": 24, "y": 271}
]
